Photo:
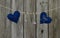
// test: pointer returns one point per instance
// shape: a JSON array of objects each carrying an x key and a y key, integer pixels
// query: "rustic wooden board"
[
  {"x": 29, "y": 27},
  {"x": 54, "y": 14},
  {"x": 2, "y": 19},
  {"x": 57, "y": 19},
  {"x": 42, "y": 6},
  {"x": 51, "y": 14},
  {"x": 17, "y": 29},
  {"x": 8, "y": 23},
  {"x": 58, "y": 22},
  {"x": 19, "y": 4}
]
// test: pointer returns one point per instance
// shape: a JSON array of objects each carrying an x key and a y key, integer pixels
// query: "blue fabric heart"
[
  {"x": 14, "y": 17},
  {"x": 44, "y": 18},
  {"x": 42, "y": 15}
]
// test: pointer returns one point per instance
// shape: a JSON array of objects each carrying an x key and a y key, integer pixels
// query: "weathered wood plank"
[
  {"x": 29, "y": 27},
  {"x": 53, "y": 26},
  {"x": 8, "y": 23},
  {"x": 57, "y": 19},
  {"x": 17, "y": 29},
  {"x": 2, "y": 19},
  {"x": 19, "y": 7},
  {"x": 14, "y": 25},
  {"x": 42, "y": 6}
]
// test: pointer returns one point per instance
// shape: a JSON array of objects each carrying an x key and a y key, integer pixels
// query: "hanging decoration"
[
  {"x": 44, "y": 18},
  {"x": 14, "y": 17}
]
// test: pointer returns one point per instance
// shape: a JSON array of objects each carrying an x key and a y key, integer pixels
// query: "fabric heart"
[
  {"x": 44, "y": 18},
  {"x": 14, "y": 17}
]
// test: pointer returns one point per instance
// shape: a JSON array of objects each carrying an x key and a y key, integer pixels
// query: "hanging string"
[
  {"x": 23, "y": 12},
  {"x": 6, "y": 7}
]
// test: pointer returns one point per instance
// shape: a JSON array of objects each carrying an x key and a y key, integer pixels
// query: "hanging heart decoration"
[
  {"x": 44, "y": 18},
  {"x": 14, "y": 17}
]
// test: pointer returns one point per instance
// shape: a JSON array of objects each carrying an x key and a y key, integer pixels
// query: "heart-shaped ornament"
[
  {"x": 44, "y": 18},
  {"x": 14, "y": 17}
]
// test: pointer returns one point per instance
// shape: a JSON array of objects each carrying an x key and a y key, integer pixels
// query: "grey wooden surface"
[
  {"x": 28, "y": 25},
  {"x": 42, "y": 6}
]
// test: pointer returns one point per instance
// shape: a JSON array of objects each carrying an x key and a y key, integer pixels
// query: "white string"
[{"x": 27, "y": 12}]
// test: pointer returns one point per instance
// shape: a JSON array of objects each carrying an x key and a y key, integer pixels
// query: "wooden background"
[{"x": 29, "y": 25}]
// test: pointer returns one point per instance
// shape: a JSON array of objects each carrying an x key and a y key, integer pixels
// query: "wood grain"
[
  {"x": 42, "y": 6},
  {"x": 3, "y": 20},
  {"x": 29, "y": 27},
  {"x": 17, "y": 29},
  {"x": 54, "y": 14}
]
